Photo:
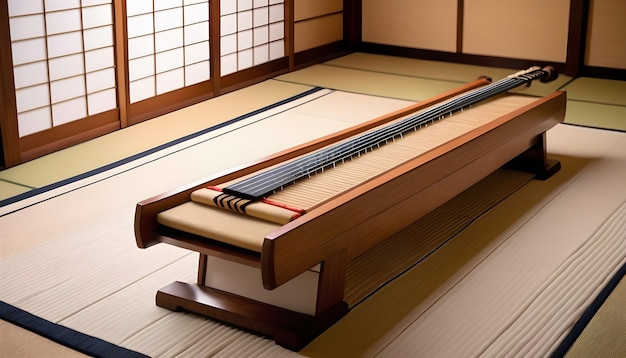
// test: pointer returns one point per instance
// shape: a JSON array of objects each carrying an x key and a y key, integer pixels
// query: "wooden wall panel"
[
  {"x": 606, "y": 43},
  {"x": 317, "y": 23},
  {"x": 318, "y": 32},
  {"x": 423, "y": 24},
  {"x": 308, "y": 9},
  {"x": 531, "y": 29}
]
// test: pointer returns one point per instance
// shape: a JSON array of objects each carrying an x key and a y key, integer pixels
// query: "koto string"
[{"x": 261, "y": 184}]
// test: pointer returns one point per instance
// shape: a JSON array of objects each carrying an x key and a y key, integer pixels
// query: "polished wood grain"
[
  {"x": 146, "y": 227},
  {"x": 363, "y": 217}
]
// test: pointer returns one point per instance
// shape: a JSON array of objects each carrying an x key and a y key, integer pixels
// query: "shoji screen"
[
  {"x": 252, "y": 32},
  {"x": 84, "y": 68},
  {"x": 63, "y": 61},
  {"x": 168, "y": 46}
]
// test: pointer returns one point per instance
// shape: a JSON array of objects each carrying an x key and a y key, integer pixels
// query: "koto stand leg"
[
  {"x": 535, "y": 160},
  {"x": 292, "y": 330}
]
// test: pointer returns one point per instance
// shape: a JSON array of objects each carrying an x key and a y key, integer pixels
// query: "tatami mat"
[
  {"x": 110, "y": 291},
  {"x": 416, "y": 68},
  {"x": 368, "y": 82},
  {"x": 604, "y": 336},
  {"x": 438, "y": 70},
  {"x": 596, "y": 103},
  {"x": 26, "y": 344},
  {"x": 379, "y": 75},
  {"x": 433, "y": 231},
  {"x": 388, "y": 81},
  {"x": 72, "y": 258},
  {"x": 199, "y": 158},
  {"x": 108, "y": 149},
  {"x": 454, "y": 302},
  {"x": 596, "y": 115},
  {"x": 8, "y": 189},
  {"x": 597, "y": 90}
]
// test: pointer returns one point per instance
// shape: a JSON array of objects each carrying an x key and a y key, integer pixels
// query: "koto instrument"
[{"x": 276, "y": 236}]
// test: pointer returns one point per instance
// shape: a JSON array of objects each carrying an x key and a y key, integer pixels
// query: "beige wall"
[
  {"x": 423, "y": 24},
  {"x": 606, "y": 36},
  {"x": 529, "y": 29},
  {"x": 317, "y": 23}
]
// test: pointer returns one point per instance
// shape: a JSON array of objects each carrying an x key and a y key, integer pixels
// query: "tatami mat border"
[
  {"x": 68, "y": 337},
  {"x": 76, "y": 178},
  {"x": 589, "y": 313},
  {"x": 594, "y": 127}
]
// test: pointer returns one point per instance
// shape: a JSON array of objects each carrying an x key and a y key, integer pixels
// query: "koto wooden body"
[{"x": 338, "y": 230}]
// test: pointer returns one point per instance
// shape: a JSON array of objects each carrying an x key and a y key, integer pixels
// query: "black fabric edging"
[
  {"x": 68, "y": 337},
  {"x": 589, "y": 313}
]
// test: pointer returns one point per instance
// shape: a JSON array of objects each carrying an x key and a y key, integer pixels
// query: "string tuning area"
[
  {"x": 256, "y": 186},
  {"x": 550, "y": 74}
]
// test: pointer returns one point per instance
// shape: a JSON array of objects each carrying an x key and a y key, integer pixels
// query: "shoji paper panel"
[
  {"x": 531, "y": 29},
  {"x": 422, "y": 24},
  {"x": 251, "y": 33},
  {"x": 606, "y": 43},
  {"x": 168, "y": 45},
  {"x": 63, "y": 61}
]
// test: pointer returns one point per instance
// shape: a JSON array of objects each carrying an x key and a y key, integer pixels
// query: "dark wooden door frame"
[
  {"x": 577, "y": 37},
  {"x": 8, "y": 109}
]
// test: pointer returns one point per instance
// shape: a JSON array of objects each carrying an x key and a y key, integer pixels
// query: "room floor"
[
  {"x": 591, "y": 102},
  {"x": 425, "y": 298}
]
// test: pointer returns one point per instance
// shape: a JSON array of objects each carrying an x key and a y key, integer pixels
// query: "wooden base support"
[
  {"x": 534, "y": 160},
  {"x": 289, "y": 329}
]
